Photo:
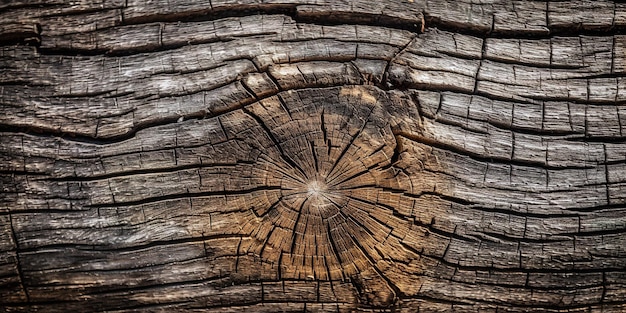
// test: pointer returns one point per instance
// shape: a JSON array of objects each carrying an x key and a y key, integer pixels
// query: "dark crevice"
[
  {"x": 147, "y": 171},
  {"x": 314, "y": 154},
  {"x": 477, "y": 157},
  {"x": 441, "y": 196},
  {"x": 400, "y": 84},
  {"x": 375, "y": 302},
  {"x": 522, "y": 63},
  {"x": 523, "y": 214},
  {"x": 118, "y": 248},
  {"x": 552, "y": 134},
  {"x": 142, "y": 267},
  {"x": 333, "y": 245},
  {"x": 19, "y": 83},
  {"x": 108, "y": 306},
  {"x": 277, "y": 144},
  {"x": 598, "y": 139},
  {"x": 575, "y": 267},
  {"x": 468, "y": 304},
  {"x": 218, "y": 280},
  {"x": 150, "y": 48},
  {"x": 435, "y": 194},
  {"x": 20, "y": 271},
  {"x": 295, "y": 234},
  {"x": 183, "y": 196},
  {"x": 356, "y": 18},
  {"x": 587, "y": 101},
  {"x": 448, "y": 302},
  {"x": 344, "y": 180},
  {"x": 331, "y": 176},
  {"x": 22, "y": 38},
  {"x": 572, "y": 30},
  {"x": 521, "y": 239},
  {"x": 82, "y": 138},
  {"x": 615, "y": 231},
  {"x": 27, "y": 33},
  {"x": 556, "y": 134},
  {"x": 386, "y": 83},
  {"x": 213, "y": 14}
]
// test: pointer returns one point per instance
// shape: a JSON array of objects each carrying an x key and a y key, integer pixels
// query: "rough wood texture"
[{"x": 322, "y": 156}]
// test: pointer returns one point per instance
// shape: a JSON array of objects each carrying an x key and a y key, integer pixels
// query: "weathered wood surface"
[{"x": 335, "y": 156}]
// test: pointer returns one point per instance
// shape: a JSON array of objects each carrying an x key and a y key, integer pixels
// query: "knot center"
[{"x": 316, "y": 187}]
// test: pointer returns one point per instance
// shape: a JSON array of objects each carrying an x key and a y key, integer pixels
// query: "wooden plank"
[{"x": 344, "y": 156}]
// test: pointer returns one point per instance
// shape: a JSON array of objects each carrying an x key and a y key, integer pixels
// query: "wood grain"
[{"x": 317, "y": 156}]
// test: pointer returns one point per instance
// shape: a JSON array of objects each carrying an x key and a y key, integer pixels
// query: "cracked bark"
[{"x": 313, "y": 156}]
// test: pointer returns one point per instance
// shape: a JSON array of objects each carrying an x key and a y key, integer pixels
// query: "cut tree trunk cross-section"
[{"x": 313, "y": 155}]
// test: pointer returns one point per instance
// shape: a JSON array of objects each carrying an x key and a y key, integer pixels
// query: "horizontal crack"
[{"x": 183, "y": 196}]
